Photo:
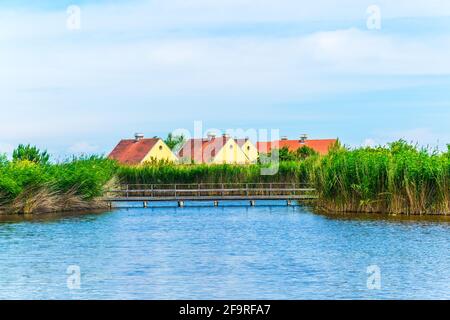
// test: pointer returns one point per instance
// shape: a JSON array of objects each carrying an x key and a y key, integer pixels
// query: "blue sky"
[{"x": 155, "y": 66}]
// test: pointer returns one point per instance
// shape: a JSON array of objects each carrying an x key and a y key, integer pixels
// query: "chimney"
[
  {"x": 138, "y": 136},
  {"x": 303, "y": 138},
  {"x": 211, "y": 135},
  {"x": 284, "y": 138},
  {"x": 226, "y": 135}
]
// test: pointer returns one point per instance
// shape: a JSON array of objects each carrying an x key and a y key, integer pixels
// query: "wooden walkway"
[{"x": 182, "y": 193}]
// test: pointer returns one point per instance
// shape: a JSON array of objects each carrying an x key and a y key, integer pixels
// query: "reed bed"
[
  {"x": 399, "y": 179},
  {"x": 294, "y": 172},
  {"x": 28, "y": 187}
]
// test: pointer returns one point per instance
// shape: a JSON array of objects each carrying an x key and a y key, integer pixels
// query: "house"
[
  {"x": 140, "y": 150},
  {"x": 321, "y": 146},
  {"x": 249, "y": 149},
  {"x": 212, "y": 150}
]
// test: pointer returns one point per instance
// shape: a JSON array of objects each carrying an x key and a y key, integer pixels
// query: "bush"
[{"x": 30, "y": 153}]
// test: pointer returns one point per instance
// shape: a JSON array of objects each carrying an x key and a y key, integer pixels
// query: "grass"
[
  {"x": 400, "y": 179},
  {"x": 171, "y": 173},
  {"x": 29, "y": 187}
]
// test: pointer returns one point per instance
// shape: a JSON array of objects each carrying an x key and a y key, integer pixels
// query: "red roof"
[
  {"x": 321, "y": 146},
  {"x": 202, "y": 150},
  {"x": 132, "y": 151},
  {"x": 241, "y": 142}
]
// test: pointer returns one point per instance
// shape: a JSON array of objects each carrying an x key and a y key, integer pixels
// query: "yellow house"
[
  {"x": 249, "y": 149},
  {"x": 212, "y": 151},
  {"x": 140, "y": 150}
]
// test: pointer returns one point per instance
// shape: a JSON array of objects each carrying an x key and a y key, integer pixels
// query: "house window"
[
  {"x": 160, "y": 147},
  {"x": 248, "y": 148}
]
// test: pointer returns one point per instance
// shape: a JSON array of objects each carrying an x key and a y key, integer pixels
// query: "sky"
[{"x": 78, "y": 79}]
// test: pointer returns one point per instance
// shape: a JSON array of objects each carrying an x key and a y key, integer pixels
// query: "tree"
[
  {"x": 286, "y": 155},
  {"x": 3, "y": 159},
  {"x": 305, "y": 152},
  {"x": 400, "y": 146},
  {"x": 174, "y": 141},
  {"x": 30, "y": 153}
]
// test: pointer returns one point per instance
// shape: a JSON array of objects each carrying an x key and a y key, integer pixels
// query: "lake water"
[{"x": 231, "y": 252}]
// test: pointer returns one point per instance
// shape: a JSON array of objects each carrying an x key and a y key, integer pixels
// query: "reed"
[
  {"x": 34, "y": 187},
  {"x": 400, "y": 179},
  {"x": 223, "y": 173}
]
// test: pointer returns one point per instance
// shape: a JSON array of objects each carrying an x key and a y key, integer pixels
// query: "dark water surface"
[{"x": 232, "y": 252}]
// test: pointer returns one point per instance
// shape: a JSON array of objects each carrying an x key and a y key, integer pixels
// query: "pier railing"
[{"x": 211, "y": 191}]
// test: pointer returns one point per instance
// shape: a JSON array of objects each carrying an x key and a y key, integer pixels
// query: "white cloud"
[{"x": 55, "y": 83}]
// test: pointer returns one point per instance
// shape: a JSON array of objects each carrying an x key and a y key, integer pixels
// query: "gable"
[
  {"x": 230, "y": 152},
  {"x": 160, "y": 151}
]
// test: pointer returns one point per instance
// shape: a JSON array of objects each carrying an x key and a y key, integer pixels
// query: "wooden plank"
[{"x": 211, "y": 190}]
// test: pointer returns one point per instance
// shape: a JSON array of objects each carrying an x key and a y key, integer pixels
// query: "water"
[{"x": 233, "y": 252}]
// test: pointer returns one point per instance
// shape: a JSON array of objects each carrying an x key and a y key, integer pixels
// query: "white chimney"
[
  {"x": 211, "y": 135},
  {"x": 284, "y": 138},
  {"x": 303, "y": 138},
  {"x": 139, "y": 136}
]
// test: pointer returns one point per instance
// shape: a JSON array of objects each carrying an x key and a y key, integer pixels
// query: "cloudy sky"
[{"x": 155, "y": 66}]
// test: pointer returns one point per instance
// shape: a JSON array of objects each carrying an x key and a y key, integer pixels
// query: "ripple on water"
[{"x": 230, "y": 252}]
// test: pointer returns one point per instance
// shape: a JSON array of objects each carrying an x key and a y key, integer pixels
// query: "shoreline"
[{"x": 102, "y": 205}]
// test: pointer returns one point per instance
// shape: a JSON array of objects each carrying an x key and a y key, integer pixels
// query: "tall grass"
[
  {"x": 171, "y": 173},
  {"x": 28, "y": 187},
  {"x": 400, "y": 178}
]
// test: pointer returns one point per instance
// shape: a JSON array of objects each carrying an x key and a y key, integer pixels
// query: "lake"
[{"x": 230, "y": 252}]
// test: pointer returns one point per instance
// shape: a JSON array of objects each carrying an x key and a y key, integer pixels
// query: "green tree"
[
  {"x": 400, "y": 146},
  {"x": 174, "y": 141},
  {"x": 30, "y": 153},
  {"x": 3, "y": 160},
  {"x": 305, "y": 152},
  {"x": 286, "y": 155}
]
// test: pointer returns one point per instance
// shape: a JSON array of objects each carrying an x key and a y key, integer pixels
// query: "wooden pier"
[{"x": 213, "y": 192}]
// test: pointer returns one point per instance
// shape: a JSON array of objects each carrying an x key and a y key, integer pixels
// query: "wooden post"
[
  {"x": 175, "y": 186},
  {"x": 252, "y": 203},
  {"x": 246, "y": 189},
  {"x": 180, "y": 204},
  {"x": 127, "y": 190},
  {"x": 216, "y": 203},
  {"x": 145, "y": 204}
]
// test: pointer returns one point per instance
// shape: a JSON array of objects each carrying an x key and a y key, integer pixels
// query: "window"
[{"x": 160, "y": 148}]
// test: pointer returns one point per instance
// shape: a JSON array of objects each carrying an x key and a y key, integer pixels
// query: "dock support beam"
[
  {"x": 252, "y": 203},
  {"x": 180, "y": 204},
  {"x": 145, "y": 204},
  {"x": 289, "y": 203},
  {"x": 216, "y": 203}
]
